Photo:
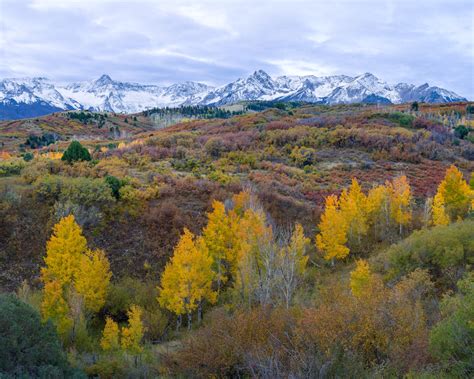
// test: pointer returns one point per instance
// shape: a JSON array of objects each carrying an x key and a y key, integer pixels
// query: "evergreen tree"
[{"x": 76, "y": 152}]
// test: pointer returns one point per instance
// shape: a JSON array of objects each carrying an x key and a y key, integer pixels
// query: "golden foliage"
[
  {"x": 133, "y": 334},
  {"x": 187, "y": 278},
  {"x": 455, "y": 194},
  {"x": 94, "y": 279},
  {"x": 110, "y": 340},
  {"x": 333, "y": 228},
  {"x": 361, "y": 279},
  {"x": 438, "y": 210}
]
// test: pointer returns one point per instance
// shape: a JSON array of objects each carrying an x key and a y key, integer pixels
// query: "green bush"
[
  {"x": 28, "y": 157},
  {"x": 11, "y": 167},
  {"x": 83, "y": 191},
  {"x": 452, "y": 339},
  {"x": 29, "y": 348},
  {"x": 115, "y": 184},
  {"x": 461, "y": 131},
  {"x": 76, "y": 152},
  {"x": 441, "y": 249}
]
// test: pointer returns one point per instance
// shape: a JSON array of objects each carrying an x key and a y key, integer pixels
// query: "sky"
[{"x": 215, "y": 42}]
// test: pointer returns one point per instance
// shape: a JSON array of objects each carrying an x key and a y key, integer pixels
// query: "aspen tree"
[
  {"x": 438, "y": 210},
  {"x": 456, "y": 194},
  {"x": 110, "y": 340},
  {"x": 400, "y": 201},
  {"x": 132, "y": 335},
  {"x": 353, "y": 204},
  {"x": 361, "y": 279},
  {"x": 187, "y": 279},
  {"x": 332, "y": 237},
  {"x": 219, "y": 238}
]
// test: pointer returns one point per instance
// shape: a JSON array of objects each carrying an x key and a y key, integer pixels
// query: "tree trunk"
[
  {"x": 189, "y": 320},
  {"x": 178, "y": 322},
  {"x": 200, "y": 312}
]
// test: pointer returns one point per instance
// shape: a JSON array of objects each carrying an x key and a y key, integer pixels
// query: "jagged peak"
[
  {"x": 104, "y": 79},
  {"x": 261, "y": 74}
]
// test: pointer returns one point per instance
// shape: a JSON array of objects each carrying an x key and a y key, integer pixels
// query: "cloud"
[{"x": 217, "y": 41}]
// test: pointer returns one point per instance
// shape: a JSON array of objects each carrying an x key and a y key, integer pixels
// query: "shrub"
[
  {"x": 29, "y": 348},
  {"x": 28, "y": 157},
  {"x": 461, "y": 131},
  {"x": 76, "y": 152},
  {"x": 114, "y": 184},
  {"x": 11, "y": 167},
  {"x": 452, "y": 339},
  {"x": 443, "y": 250},
  {"x": 83, "y": 191}
]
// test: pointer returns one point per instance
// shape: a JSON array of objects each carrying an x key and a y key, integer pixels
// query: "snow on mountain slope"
[
  {"x": 33, "y": 90},
  {"x": 29, "y": 97},
  {"x": 360, "y": 87},
  {"x": 258, "y": 86},
  {"x": 105, "y": 94}
]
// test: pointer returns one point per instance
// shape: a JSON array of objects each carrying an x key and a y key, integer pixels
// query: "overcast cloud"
[{"x": 217, "y": 41}]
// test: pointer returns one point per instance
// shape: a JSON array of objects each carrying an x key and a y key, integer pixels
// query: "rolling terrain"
[{"x": 342, "y": 255}]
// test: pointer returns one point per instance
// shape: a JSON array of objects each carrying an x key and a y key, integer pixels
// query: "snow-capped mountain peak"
[
  {"x": 29, "y": 97},
  {"x": 104, "y": 80}
]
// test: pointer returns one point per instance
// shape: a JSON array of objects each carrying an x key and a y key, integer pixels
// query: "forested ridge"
[{"x": 298, "y": 241}]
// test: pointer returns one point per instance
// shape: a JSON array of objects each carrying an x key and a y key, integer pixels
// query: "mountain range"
[{"x": 31, "y": 97}]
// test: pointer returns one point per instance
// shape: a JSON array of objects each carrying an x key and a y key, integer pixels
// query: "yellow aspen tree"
[
  {"x": 297, "y": 246},
  {"x": 252, "y": 234},
  {"x": 378, "y": 209},
  {"x": 456, "y": 194},
  {"x": 332, "y": 235},
  {"x": 438, "y": 211},
  {"x": 93, "y": 279},
  {"x": 400, "y": 201},
  {"x": 353, "y": 204},
  {"x": 187, "y": 279},
  {"x": 55, "y": 308},
  {"x": 110, "y": 340},
  {"x": 72, "y": 271},
  {"x": 241, "y": 201},
  {"x": 133, "y": 334},
  {"x": 218, "y": 235},
  {"x": 63, "y": 251},
  {"x": 292, "y": 264},
  {"x": 361, "y": 279}
]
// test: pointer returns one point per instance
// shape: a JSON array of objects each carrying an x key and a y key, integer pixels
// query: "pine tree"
[
  {"x": 76, "y": 152},
  {"x": 133, "y": 334},
  {"x": 110, "y": 340},
  {"x": 332, "y": 235}
]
